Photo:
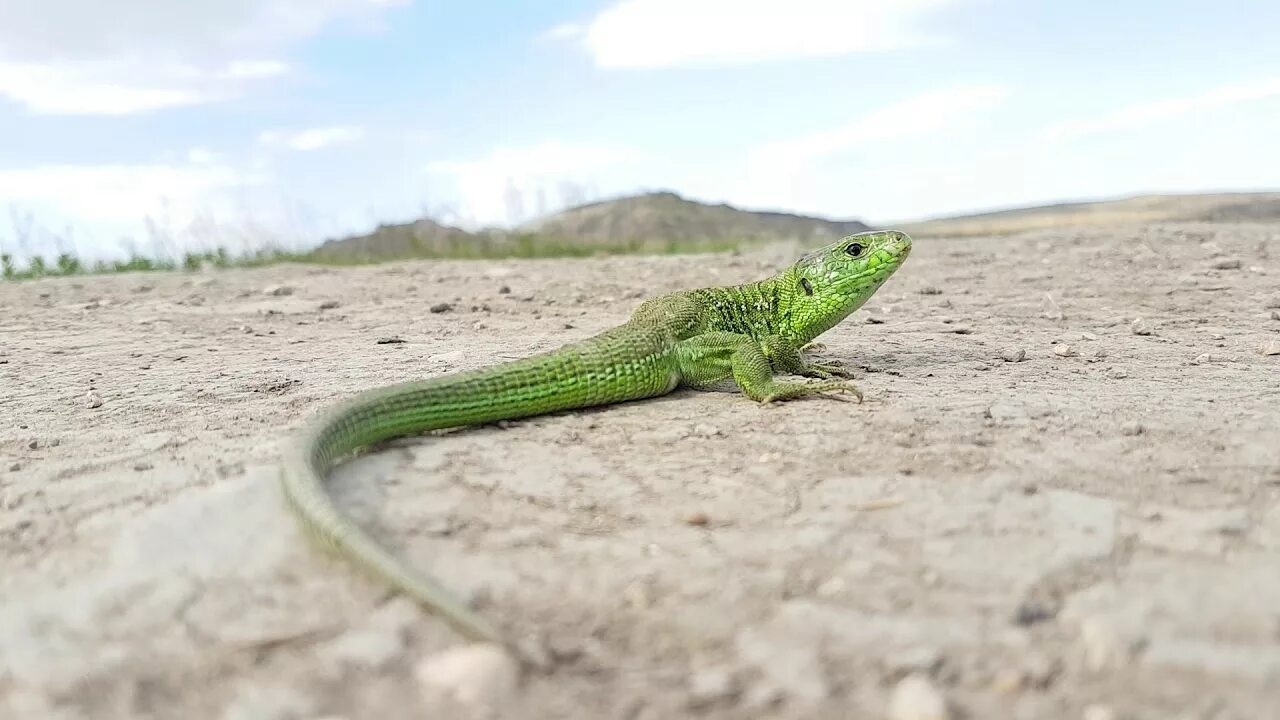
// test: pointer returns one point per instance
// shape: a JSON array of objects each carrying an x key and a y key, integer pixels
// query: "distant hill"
[
  {"x": 666, "y": 222},
  {"x": 421, "y": 238},
  {"x": 669, "y": 218},
  {"x": 1218, "y": 207},
  {"x": 653, "y": 222}
]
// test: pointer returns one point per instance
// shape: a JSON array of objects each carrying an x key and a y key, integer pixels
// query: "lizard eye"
[{"x": 854, "y": 250}]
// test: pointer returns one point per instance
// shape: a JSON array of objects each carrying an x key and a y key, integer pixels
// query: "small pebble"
[
  {"x": 699, "y": 519},
  {"x": 391, "y": 341},
  {"x": 92, "y": 400},
  {"x": 930, "y": 290},
  {"x": 713, "y": 685},
  {"x": 1141, "y": 327},
  {"x": 142, "y": 466},
  {"x": 1132, "y": 429},
  {"x": 706, "y": 430},
  {"x": 1064, "y": 351},
  {"x": 1270, "y": 347},
  {"x": 481, "y": 676},
  {"x": 504, "y": 290},
  {"x": 329, "y": 304},
  {"x": 1117, "y": 373},
  {"x": 1031, "y": 612},
  {"x": 1013, "y": 355},
  {"x": 1227, "y": 264},
  {"x": 278, "y": 290},
  {"x": 441, "y": 307},
  {"x": 1098, "y": 712},
  {"x": 915, "y": 698},
  {"x": 15, "y": 467},
  {"x": 1275, "y": 314}
]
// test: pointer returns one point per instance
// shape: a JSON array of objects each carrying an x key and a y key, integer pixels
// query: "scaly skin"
[{"x": 701, "y": 339}]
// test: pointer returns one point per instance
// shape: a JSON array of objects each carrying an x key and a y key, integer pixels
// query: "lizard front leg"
[
  {"x": 708, "y": 359},
  {"x": 786, "y": 357}
]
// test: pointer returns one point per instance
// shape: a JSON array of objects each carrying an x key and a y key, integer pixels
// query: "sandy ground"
[{"x": 1091, "y": 532}]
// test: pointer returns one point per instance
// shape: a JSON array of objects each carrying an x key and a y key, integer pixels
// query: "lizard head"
[{"x": 831, "y": 282}]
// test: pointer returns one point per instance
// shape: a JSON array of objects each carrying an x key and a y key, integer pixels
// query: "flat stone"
[
  {"x": 480, "y": 677},
  {"x": 1083, "y": 526},
  {"x": 916, "y": 698},
  {"x": 1253, "y": 662},
  {"x": 789, "y": 663},
  {"x": 1191, "y": 531},
  {"x": 709, "y": 686}
]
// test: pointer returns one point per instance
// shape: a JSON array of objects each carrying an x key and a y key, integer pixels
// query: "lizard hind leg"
[{"x": 708, "y": 359}]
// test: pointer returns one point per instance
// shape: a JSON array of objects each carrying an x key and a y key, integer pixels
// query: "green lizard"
[{"x": 700, "y": 339}]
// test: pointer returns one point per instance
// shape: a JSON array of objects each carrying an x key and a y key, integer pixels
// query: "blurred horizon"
[{"x": 243, "y": 123}]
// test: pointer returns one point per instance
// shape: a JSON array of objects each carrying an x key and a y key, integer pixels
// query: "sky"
[{"x": 152, "y": 126}]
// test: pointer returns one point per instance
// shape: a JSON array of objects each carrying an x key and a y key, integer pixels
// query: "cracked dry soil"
[{"x": 1061, "y": 498}]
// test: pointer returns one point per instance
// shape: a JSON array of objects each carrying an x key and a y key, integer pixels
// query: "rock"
[
  {"x": 789, "y": 664},
  {"x": 930, "y": 290},
  {"x": 1104, "y": 646},
  {"x": 504, "y": 290},
  {"x": 1269, "y": 528},
  {"x": 481, "y": 677},
  {"x": 390, "y": 340},
  {"x": 1013, "y": 355},
  {"x": 441, "y": 308},
  {"x": 1098, "y": 712},
  {"x": 1270, "y": 347},
  {"x": 278, "y": 290},
  {"x": 1040, "y": 670},
  {"x": 1064, "y": 351},
  {"x": 1007, "y": 411},
  {"x": 364, "y": 649},
  {"x": 1083, "y": 526},
  {"x": 1258, "y": 663},
  {"x": 699, "y": 519},
  {"x": 1117, "y": 373},
  {"x": 268, "y": 702},
  {"x": 712, "y": 685},
  {"x": 1141, "y": 327},
  {"x": 920, "y": 660},
  {"x": 92, "y": 400},
  {"x": 1227, "y": 264},
  {"x": 1191, "y": 531},
  {"x": 1272, "y": 302},
  {"x": 706, "y": 430},
  {"x": 329, "y": 304},
  {"x": 1031, "y": 612},
  {"x": 916, "y": 698},
  {"x": 1132, "y": 429},
  {"x": 1275, "y": 314}
]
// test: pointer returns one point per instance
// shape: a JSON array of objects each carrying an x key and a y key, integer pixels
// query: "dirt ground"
[{"x": 1091, "y": 531}]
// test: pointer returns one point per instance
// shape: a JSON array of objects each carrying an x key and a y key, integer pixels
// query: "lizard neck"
[{"x": 803, "y": 316}]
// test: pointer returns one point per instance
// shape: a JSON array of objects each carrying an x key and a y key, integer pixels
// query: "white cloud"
[
  {"x": 82, "y": 57},
  {"x": 311, "y": 138},
  {"x": 120, "y": 193},
  {"x": 62, "y": 89},
  {"x": 255, "y": 69},
  {"x": 669, "y": 33},
  {"x": 511, "y": 185},
  {"x": 1144, "y": 114},
  {"x": 926, "y": 113}
]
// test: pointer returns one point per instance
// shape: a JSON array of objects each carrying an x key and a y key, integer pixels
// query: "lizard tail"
[{"x": 589, "y": 373}]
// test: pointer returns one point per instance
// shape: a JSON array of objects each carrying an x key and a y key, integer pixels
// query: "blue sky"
[{"x": 150, "y": 124}]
